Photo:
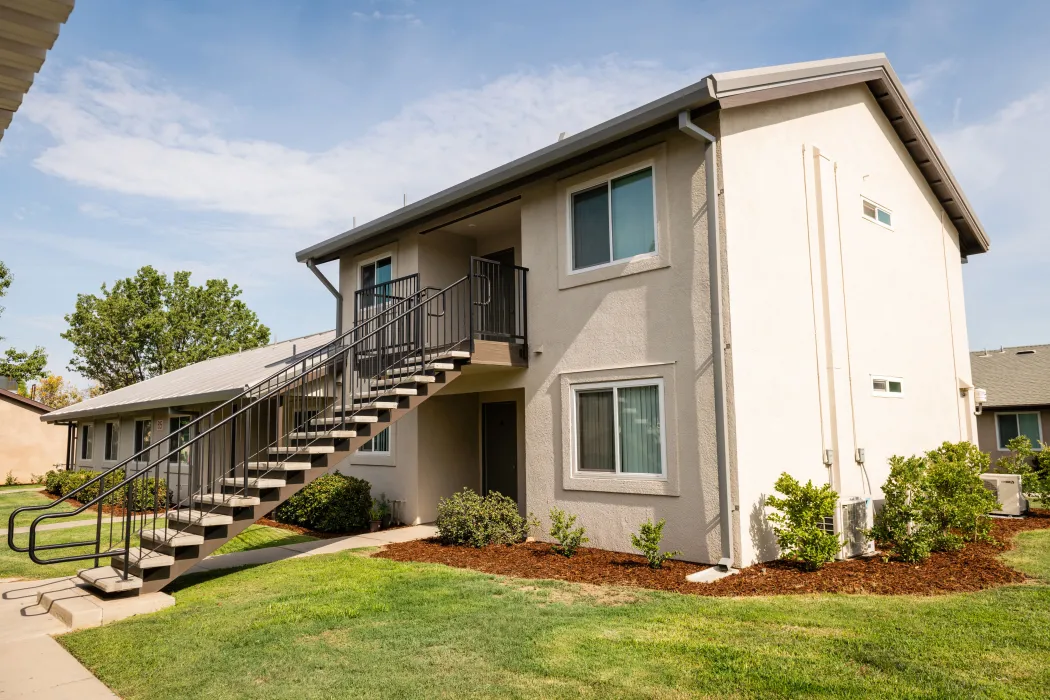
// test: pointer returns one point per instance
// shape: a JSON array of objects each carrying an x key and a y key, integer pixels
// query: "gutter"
[
  {"x": 335, "y": 292},
  {"x": 714, "y": 256}
]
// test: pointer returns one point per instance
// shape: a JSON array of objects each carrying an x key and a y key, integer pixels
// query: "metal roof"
[
  {"x": 719, "y": 90},
  {"x": 217, "y": 379},
  {"x": 1013, "y": 377},
  {"x": 28, "y": 29}
]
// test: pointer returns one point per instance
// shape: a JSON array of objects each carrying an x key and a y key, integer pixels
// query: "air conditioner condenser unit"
[
  {"x": 855, "y": 517},
  {"x": 1008, "y": 491}
]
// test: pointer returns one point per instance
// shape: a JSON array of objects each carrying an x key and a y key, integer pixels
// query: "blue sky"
[{"x": 221, "y": 137}]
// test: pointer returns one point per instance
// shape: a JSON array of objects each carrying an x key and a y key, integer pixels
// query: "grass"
[
  {"x": 10, "y": 487},
  {"x": 261, "y": 536},
  {"x": 18, "y": 565},
  {"x": 1031, "y": 554},
  {"x": 343, "y": 625},
  {"x": 11, "y": 501}
]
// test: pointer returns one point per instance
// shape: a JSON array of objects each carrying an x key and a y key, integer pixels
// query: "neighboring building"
[
  {"x": 116, "y": 426},
  {"x": 28, "y": 447},
  {"x": 630, "y": 323},
  {"x": 28, "y": 30},
  {"x": 1018, "y": 384}
]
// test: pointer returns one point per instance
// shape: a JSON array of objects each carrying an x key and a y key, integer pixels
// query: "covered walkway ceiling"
[{"x": 28, "y": 28}]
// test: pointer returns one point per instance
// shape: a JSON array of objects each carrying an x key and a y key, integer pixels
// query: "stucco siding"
[
  {"x": 28, "y": 446},
  {"x": 822, "y": 299}
]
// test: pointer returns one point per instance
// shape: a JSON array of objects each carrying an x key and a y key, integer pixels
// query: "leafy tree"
[
  {"x": 148, "y": 325},
  {"x": 56, "y": 393},
  {"x": 798, "y": 525},
  {"x": 20, "y": 366}
]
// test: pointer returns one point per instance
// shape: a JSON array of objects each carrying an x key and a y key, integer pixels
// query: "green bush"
[
  {"x": 567, "y": 537},
  {"x": 936, "y": 502},
  {"x": 149, "y": 493},
  {"x": 647, "y": 541},
  {"x": 798, "y": 525},
  {"x": 902, "y": 522},
  {"x": 1034, "y": 467},
  {"x": 465, "y": 518},
  {"x": 332, "y": 503}
]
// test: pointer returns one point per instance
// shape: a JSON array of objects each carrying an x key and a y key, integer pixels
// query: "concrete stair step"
[
  {"x": 302, "y": 450},
  {"x": 171, "y": 537},
  {"x": 407, "y": 379},
  {"x": 255, "y": 483},
  {"x": 196, "y": 517},
  {"x": 368, "y": 404},
  {"x": 412, "y": 369},
  {"x": 330, "y": 434},
  {"x": 109, "y": 580},
  {"x": 277, "y": 467},
  {"x": 144, "y": 559},
  {"x": 227, "y": 500}
]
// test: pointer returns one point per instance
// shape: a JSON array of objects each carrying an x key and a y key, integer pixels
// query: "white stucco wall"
[{"x": 794, "y": 174}]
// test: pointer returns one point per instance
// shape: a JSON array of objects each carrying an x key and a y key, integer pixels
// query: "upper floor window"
[
  {"x": 614, "y": 220},
  {"x": 1010, "y": 425},
  {"x": 85, "y": 441},
  {"x": 887, "y": 386},
  {"x": 112, "y": 441},
  {"x": 877, "y": 213},
  {"x": 373, "y": 273}
]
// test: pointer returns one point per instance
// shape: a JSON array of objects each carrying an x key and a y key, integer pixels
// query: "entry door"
[{"x": 499, "y": 448}]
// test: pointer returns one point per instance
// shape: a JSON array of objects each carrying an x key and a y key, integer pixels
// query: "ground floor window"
[
  {"x": 143, "y": 434},
  {"x": 1010, "y": 425},
  {"x": 380, "y": 444},
  {"x": 85, "y": 441},
  {"x": 179, "y": 437},
  {"x": 619, "y": 428},
  {"x": 112, "y": 441}
]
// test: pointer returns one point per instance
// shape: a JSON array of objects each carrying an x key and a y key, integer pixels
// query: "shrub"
[
  {"x": 148, "y": 493},
  {"x": 798, "y": 525},
  {"x": 567, "y": 537},
  {"x": 10, "y": 479},
  {"x": 957, "y": 500},
  {"x": 647, "y": 541},
  {"x": 1034, "y": 467},
  {"x": 465, "y": 518},
  {"x": 902, "y": 522},
  {"x": 332, "y": 503}
]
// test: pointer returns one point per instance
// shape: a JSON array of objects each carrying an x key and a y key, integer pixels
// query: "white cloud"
[
  {"x": 116, "y": 129},
  {"x": 406, "y": 17},
  {"x": 916, "y": 84}
]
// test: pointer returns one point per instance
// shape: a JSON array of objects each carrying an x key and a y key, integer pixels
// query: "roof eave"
[{"x": 64, "y": 414}]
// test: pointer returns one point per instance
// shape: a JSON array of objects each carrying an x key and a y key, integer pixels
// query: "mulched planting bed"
[{"x": 977, "y": 566}]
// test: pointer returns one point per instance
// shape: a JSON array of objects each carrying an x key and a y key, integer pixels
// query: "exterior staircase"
[{"x": 234, "y": 464}]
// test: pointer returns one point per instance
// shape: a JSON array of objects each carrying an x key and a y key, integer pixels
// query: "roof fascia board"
[
  {"x": 518, "y": 171},
  {"x": 107, "y": 411}
]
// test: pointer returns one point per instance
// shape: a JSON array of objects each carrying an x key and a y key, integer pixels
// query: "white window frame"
[
  {"x": 87, "y": 438},
  {"x": 648, "y": 164},
  {"x": 379, "y": 453},
  {"x": 373, "y": 258},
  {"x": 617, "y": 474},
  {"x": 887, "y": 394},
  {"x": 875, "y": 219},
  {"x": 1038, "y": 421},
  {"x": 105, "y": 441}
]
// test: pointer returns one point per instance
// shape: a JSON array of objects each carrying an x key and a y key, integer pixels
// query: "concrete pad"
[
  {"x": 79, "y": 606},
  {"x": 710, "y": 575}
]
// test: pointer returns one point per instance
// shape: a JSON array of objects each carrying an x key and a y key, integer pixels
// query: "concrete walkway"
[
  {"x": 32, "y": 664},
  {"x": 309, "y": 549}
]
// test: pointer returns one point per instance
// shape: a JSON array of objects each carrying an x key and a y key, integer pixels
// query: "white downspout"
[{"x": 714, "y": 255}]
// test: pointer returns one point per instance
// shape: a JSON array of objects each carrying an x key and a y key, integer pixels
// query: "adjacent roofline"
[
  {"x": 724, "y": 91},
  {"x": 123, "y": 409},
  {"x": 29, "y": 403}
]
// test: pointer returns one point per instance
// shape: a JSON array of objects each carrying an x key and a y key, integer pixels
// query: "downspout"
[
  {"x": 335, "y": 292},
  {"x": 714, "y": 248}
]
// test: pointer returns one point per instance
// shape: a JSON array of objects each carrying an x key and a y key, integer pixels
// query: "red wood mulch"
[{"x": 975, "y": 567}]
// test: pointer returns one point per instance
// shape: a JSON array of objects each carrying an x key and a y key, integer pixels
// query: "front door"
[{"x": 499, "y": 448}]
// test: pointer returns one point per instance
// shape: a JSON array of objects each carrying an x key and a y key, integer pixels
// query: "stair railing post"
[
  {"x": 470, "y": 305},
  {"x": 127, "y": 526}
]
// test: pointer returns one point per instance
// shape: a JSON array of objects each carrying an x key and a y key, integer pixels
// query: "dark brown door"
[{"x": 499, "y": 448}]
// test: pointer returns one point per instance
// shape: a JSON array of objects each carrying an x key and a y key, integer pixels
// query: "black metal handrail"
[
  {"x": 499, "y": 303},
  {"x": 252, "y": 397}
]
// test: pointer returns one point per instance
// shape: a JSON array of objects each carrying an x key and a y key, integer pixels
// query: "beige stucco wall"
[
  {"x": 794, "y": 174},
  {"x": 28, "y": 446}
]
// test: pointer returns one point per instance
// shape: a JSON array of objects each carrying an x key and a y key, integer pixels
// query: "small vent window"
[
  {"x": 877, "y": 213},
  {"x": 887, "y": 386}
]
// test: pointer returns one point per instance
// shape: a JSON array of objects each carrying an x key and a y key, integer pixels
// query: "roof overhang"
[
  {"x": 717, "y": 91},
  {"x": 28, "y": 29},
  {"x": 67, "y": 415}
]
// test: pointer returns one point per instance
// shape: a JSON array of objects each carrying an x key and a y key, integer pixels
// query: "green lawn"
[
  {"x": 10, "y": 487},
  {"x": 261, "y": 536},
  {"x": 10, "y": 501},
  {"x": 343, "y": 625},
  {"x": 18, "y": 565}
]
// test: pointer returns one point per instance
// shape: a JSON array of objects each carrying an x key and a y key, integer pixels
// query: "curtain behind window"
[
  {"x": 594, "y": 414},
  {"x": 640, "y": 430}
]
